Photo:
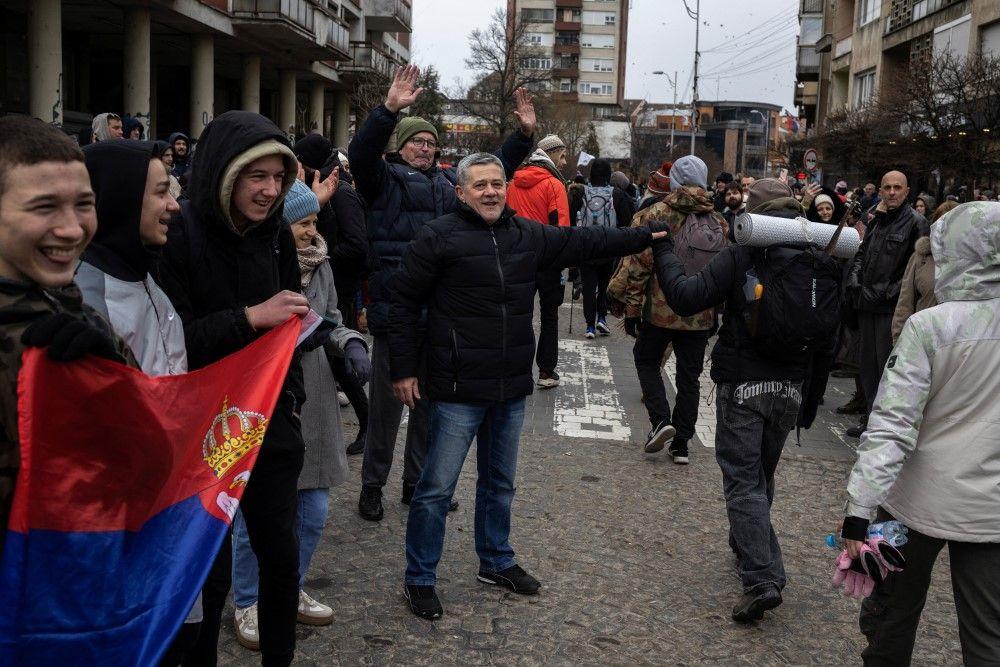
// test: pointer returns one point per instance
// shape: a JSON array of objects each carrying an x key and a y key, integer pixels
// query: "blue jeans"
[
  {"x": 451, "y": 428},
  {"x": 310, "y": 518}
]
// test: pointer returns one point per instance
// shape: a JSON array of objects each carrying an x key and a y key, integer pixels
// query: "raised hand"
[
  {"x": 525, "y": 112},
  {"x": 404, "y": 91},
  {"x": 325, "y": 189}
]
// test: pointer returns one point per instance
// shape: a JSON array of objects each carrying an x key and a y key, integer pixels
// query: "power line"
[
  {"x": 759, "y": 40},
  {"x": 782, "y": 16},
  {"x": 759, "y": 61}
]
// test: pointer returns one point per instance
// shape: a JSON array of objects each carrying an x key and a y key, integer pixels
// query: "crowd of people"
[{"x": 168, "y": 256}]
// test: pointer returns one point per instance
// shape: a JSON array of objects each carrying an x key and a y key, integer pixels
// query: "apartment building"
[
  {"x": 851, "y": 50},
  {"x": 175, "y": 64},
  {"x": 584, "y": 44}
]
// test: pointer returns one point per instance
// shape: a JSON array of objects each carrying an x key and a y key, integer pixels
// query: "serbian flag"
[{"x": 126, "y": 489}]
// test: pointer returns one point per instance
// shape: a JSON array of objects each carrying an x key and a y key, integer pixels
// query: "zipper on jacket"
[
  {"x": 503, "y": 309},
  {"x": 454, "y": 361}
]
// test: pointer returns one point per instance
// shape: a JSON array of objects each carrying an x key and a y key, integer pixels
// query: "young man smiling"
[
  {"x": 47, "y": 217},
  {"x": 231, "y": 270},
  {"x": 474, "y": 271}
]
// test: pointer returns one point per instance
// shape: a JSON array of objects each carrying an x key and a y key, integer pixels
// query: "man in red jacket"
[{"x": 538, "y": 192}]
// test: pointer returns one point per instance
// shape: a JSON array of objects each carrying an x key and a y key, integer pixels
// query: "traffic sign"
[{"x": 810, "y": 160}]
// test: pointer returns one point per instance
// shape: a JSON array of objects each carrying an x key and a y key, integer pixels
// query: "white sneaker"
[
  {"x": 312, "y": 612},
  {"x": 246, "y": 628},
  {"x": 342, "y": 398}
]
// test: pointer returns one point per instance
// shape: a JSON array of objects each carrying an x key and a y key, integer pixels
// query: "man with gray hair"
[{"x": 473, "y": 271}]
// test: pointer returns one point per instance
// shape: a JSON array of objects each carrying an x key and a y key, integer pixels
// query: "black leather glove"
[
  {"x": 356, "y": 361},
  {"x": 632, "y": 326},
  {"x": 69, "y": 338},
  {"x": 855, "y": 528}
]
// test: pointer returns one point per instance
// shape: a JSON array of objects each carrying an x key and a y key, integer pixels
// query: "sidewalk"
[{"x": 631, "y": 551}]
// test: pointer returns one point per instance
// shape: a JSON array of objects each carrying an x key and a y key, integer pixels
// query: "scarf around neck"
[{"x": 311, "y": 257}]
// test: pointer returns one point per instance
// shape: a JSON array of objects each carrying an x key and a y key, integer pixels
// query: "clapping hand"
[
  {"x": 404, "y": 91},
  {"x": 525, "y": 112},
  {"x": 325, "y": 189}
]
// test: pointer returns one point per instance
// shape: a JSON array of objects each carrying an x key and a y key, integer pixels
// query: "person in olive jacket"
[
  {"x": 473, "y": 270},
  {"x": 876, "y": 276}
]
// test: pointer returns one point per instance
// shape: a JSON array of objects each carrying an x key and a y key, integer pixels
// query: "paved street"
[{"x": 631, "y": 549}]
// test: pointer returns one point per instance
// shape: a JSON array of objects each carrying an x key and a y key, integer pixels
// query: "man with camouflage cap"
[{"x": 930, "y": 455}]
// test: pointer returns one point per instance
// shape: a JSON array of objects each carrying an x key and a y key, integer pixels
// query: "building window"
[
  {"x": 537, "y": 63},
  {"x": 597, "y": 64},
  {"x": 539, "y": 38},
  {"x": 566, "y": 85},
  {"x": 595, "y": 88},
  {"x": 567, "y": 38},
  {"x": 537, "y": 15},
  {"x": 953, "y": 37},
  {"x": 597, "y": 41},
  {"x": 864, "y": 87},
  {"x": 811, "y": 29},
  {"x": 989, "y": 39},
  {"x": 574, "y": 15},
  {"x": 599, "y": 18},
  {"x": 868, "y": 11}
]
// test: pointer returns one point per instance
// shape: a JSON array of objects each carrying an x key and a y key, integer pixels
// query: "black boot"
[
  {"x": 370, "y": 503},
  {"x": 358, "y": 446},
  {"x": 752, "y": 605}
]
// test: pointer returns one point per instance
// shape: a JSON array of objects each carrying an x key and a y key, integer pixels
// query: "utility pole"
[
  {"x": 673, "y": 116},
  {"x": 694, "y": 97}
]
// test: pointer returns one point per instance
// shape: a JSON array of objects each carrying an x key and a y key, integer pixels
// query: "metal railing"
[
  {"x": 338, "y": 38},
  {"x": 364, "y": 55},
  {"x": 396, "y": 8},
  {"x": 299, "y": 12},
  {"x": 916, "y": 10}
]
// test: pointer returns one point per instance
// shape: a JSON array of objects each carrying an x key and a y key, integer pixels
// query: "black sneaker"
[
  {"x": 423, "y": 601},
  {"x": 855, "y": 406},
  {"x": 370, "y": 503},
  {"x": 658, "y": 436},
  {"x": 679, "y": 451},
  {"x": 407, "y": 497},
  {"x": 855, "y": 431},
  {"x": 513, "y": 578},
  {"x": 752, "y": 605},
  {"x": 358, "y": 446}
]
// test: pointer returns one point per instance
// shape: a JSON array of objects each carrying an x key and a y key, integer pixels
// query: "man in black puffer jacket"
[
  {"x": 231, "y": 271},
  {"x": 404, "y": 191},
  {"x": 473, "y": 271},
  {"x": 761, "y": 395},
  {"x": 876, "y": 276}
]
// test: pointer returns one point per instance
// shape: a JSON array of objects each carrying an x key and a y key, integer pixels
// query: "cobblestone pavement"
[{"x": 631, "y": 550}]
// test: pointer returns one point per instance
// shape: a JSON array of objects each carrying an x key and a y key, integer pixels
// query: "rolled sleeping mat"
[{"x": 762, "y": 231}]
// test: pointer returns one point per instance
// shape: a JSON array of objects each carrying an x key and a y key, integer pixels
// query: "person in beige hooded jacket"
[{"x": 931, "y": 455}]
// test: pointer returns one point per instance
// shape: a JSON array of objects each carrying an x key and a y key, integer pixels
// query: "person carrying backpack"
[
  {"x": 603, "y": 205},
  {"x": 770, "y": 365},
  {"x": 699, "y": 233}
]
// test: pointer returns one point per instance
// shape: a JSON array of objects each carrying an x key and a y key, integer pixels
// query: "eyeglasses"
[{"x": 421, "y": 143}]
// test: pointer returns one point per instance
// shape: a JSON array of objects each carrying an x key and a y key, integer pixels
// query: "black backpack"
[{"x": 799, "y": 304}]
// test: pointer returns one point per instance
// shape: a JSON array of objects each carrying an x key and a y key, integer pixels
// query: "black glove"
[
  {"x": 632, "y": 326},
  {"x": 356, "y": 361},
  {"x": 69, "y": 338},
  {"x": 658, "y": 226},
  {"x": 855, "y": 528}
]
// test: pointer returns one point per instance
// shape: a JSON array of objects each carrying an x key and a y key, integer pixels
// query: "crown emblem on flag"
[{"x": 233, "y": 434}]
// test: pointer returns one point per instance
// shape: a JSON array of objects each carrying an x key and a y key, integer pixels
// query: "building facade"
[
  {"x": 175, "y": 64},
  {"x": 584, "y": 44},
  {"x": 850, "y": 51}
]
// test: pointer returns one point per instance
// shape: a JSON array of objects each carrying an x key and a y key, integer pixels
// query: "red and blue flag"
[{"x": 126, "y": 489}]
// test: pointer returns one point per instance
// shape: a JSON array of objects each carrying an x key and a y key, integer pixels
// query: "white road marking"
[
  {"x": 594, "y": 411},
  {"x": 704, "y": 428}
]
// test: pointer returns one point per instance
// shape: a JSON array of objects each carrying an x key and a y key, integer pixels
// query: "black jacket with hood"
[
  {"x": 477, "y": 282},
  {"x": 182, "y": 164},
  {"x": 212, "y": 272},
  {"x": 735, "y": 357}
]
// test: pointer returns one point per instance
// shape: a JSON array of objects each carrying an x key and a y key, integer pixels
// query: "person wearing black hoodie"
[
  {"x": 342, "y": 223},
  {"x": 134, "y": 206},
  {"x": 761, "y": 395},
  {"x": 231, "y": 270},
  {"x": 182, "y": 153},
  {"x": 596, "y": 274}
]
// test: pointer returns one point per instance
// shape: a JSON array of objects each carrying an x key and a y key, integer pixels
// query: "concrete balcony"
[
  {"x": 387, "y": 15},
  {"x": 289, "y": 25},
  {"x": 569, "y": 4},
  {"x": 566, "y": 96},
  {"x": 338, "y": 39},
  {"x": 566, "y": 72},
  {"x": 366, "y": 58},
  {"x": 572, "y": 26},
  {"x": 567, "y": 49}
]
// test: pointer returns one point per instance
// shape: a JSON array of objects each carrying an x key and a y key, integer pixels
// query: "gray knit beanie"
[{"x": 689, "y": 171}]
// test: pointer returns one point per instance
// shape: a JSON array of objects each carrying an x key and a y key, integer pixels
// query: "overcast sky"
[{"x": 748, "y": 48}]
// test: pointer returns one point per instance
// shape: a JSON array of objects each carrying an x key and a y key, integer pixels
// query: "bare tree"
[
  {"x": 370, "y": 88},
  {"x": 501, "y": 57},
  {"x": 571, "y": 121}
]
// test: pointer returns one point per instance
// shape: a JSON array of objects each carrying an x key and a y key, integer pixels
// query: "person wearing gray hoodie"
[{"x": 931, "y": 455}]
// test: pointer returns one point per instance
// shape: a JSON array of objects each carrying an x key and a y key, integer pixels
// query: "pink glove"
[
  {"x": 889, "y": 556},
  {"x": 856, "y": 583}
]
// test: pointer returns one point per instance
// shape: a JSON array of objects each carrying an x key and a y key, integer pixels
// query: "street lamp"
[
  {"x": 673, "y": 107},
  {"x": 767, "y": 132}
]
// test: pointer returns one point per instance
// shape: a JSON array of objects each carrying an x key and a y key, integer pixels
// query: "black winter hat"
[
  {"x": 725, "y": 177},
  {"x": 313, "y": 150}
]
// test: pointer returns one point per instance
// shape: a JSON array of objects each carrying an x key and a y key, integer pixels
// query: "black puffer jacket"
[
  {"x": 477, "y": 283},
  {"x": 878, "y": 268},
  {"x": 401, "y": 199},
  {"x": 211, "y": 272}
]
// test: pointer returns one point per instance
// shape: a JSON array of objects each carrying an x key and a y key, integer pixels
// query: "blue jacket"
[{"x": 402, "y": 199}]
